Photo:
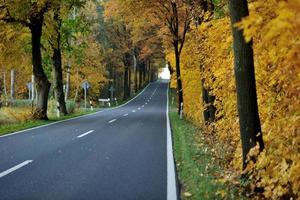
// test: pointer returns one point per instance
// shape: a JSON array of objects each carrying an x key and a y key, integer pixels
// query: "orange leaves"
[{"x": 274, "y": 25}]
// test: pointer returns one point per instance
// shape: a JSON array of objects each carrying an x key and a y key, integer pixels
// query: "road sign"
[
  {"x": 29, "y": 86},
  {"x": 85, "y": 85},
  {"x": 112, "y": 89}
]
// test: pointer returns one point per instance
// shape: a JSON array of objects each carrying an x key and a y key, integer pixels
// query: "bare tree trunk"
[
  {"x": 42, "y": 82},
  {"x": 178, "y": 76},
  {"x": 77, "y": 86},
  {"x": 129, "y": 81},
  {"x": 68, "y": 83},
  {"x": 250, "y": 129},
  {"x": 4, "y": 85},
  {"x": 126, "y": 83},
  {"x": 57, "y": 66},
  {"x": 12, "y": 84},
  {"x": 135, "y": 74}
]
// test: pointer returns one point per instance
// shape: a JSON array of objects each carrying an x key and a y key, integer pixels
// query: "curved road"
[{"x": 113, "y": 154}]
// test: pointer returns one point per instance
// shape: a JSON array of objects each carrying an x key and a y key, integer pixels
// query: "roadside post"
[
  {"x": 181, "y": 110},
  {"x": 29, "y": 87},
  {"x": 32, "y": 88},
  {"x": 112, "y": 90},
  {"x": 85, "y": 85},
  {"x": 91, "y": 104},
  {"x": 57, "y": 110}
]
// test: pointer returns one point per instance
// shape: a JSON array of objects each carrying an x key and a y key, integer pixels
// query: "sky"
[{"x": 165, "y": 73}]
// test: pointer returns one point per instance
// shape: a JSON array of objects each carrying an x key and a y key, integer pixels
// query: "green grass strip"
[{"x": 196, "y": 168}]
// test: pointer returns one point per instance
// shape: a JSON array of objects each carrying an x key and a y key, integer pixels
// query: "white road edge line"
[
  {"x": 171, "y": 179},
  {"x": 84, "y": 134},
  {"x": 61, "y": 121},
  {"x": 113, "y": 120},
  {"x": 2, "y": 174},
  {"x": 125, "y": 115}
]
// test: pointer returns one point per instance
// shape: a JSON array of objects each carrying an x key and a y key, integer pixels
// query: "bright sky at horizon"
[{"x": 165, "y": 73}]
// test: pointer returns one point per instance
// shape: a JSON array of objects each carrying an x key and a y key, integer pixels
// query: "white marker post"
[
  {"x": 32, "y": 88},
  {"x": 91, "y": 104},
  {"x": 181, "y": 110},
  {"x": 57, "y": 110},
  {"x": 85, "y": 85},
  {"x": 29, "y": 85}
]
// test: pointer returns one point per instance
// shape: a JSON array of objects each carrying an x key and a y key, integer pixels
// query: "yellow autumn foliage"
[{"x": 274, "y": 26}]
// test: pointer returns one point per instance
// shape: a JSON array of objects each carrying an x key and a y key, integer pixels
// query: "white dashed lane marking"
[
  {"x": 113, "y": 120},
  {"x": 84, "y": 134},
  {"x": 2, "y": 174}
]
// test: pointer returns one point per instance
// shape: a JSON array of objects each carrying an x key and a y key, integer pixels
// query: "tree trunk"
[
  {"x": 57, "y": 67},
  {"x": 140, "y": 75},
  {"x": 126, "y": 89},
  {"x": 42, "y": 83},
  {"x": 149, "y": 71},
  {"x": 209, "y": 112},
  {"x": 68, "y": 83},
  {"x": 144, "y": 72},
  {"x": 129, "y": 81},
  {"x": 250, "y": 129},
  {"x": 135, "y": 74},
  {"x": 178, "y": 76},
  {"x": 4, "y": 85},
  {"x": 77, "y": 86},
  {"x": 12, "y": 84}
]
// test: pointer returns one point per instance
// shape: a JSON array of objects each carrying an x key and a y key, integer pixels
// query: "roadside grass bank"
[
  {"x": 199, "y": 173},
  {"x": 18, "y": 126},
  {"x": 17, "y": 118}
]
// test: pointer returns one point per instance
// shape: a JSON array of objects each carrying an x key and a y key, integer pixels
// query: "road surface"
[{"x": 122, "y": 153}]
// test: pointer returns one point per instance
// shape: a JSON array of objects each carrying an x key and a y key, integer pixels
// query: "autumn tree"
[
  {"x": 55, "y": 43},
  {"x": 15, "y": 55},
  {"x": 173, "y": 19},
  {"x": 250, "y": 128},
  {"x": 59, "y": 12},
  {"x": 31, "y": 15}
]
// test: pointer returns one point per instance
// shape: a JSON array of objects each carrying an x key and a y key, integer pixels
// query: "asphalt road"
[{"x": 117, "y": 154}]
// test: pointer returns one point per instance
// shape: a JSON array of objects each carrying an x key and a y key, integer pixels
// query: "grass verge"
[
  {"x": 197, "y": 169},
  {"x": 10, "y": 128},
  {"x": 14, "y": 127}
]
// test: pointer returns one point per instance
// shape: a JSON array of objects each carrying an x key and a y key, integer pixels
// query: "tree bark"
[
  {"x": 209, "y": 112},
  {"x": 57, "y": 66},
  {"x": 135, "y": 74},
  {"x": 140, "y": 74},
  {"x": 250, "y": 129},
  {"x": 149, "y": 71},
  {"x": 129, "y": 81},
  {"x": 68, "y": 83},
  {"x": 12, "y": 84},
  {"x": 4, "y": 85},
  {"x": 178, "y": 76},
  {"x": 77, "y": 86},
  {"x": 42, "y": 82},
  {"x": 126, "y": 89}
]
